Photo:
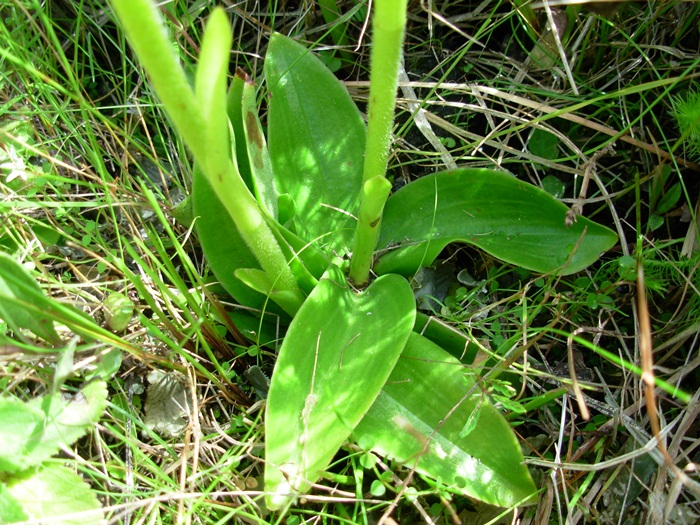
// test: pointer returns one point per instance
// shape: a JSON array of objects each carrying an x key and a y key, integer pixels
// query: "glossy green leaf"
[
  {"x": 263, "y": 331},
  {"x": 337, "y": 354},
  {"x": 23, "y": 303},
  {"x": 447, "y": 337},
  {"x": 423, "y": 405},
  {"x": 316, "y": 140},
  {"x": 669, "y": 200},
  {"x": 507, "y": 218}
]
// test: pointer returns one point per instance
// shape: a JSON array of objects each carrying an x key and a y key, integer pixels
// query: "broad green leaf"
[
  {"x": 420, "y": 414},
  {"x": 17, "y": 424},
  {"x": 669, "y": 200},
  {"x": 316, "y": 141},
  {"x": 507, "y": 218},
  {"x": 543, "y": 144},
  {"x": 337, "y": 354},
  {"x": 553, "y": 186},
  {"x": 34, "y": 431},
  {"x": 23, "y": 303},
  {"x": 53, "y": 491},
  {"x": 454, "y": 341},
  {"x": 261, "y": 331}
]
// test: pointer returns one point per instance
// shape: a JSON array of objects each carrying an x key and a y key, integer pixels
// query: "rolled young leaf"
[
  {"x": 258, "y": 155},
  {"x": 507, "y": 218}
]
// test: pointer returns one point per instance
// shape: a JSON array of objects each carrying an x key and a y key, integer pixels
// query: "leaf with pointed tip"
[
  {"x": 420, "y": 415},
  {"x": 234, "y": 107},
  {"x": 337, "y": 354},
  {"x": 507, "y": 218},
  {"x": 316, "y": 140}
]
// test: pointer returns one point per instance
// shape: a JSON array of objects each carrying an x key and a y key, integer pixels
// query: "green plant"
[
  {"x": 31, "y": 485},
  {"x": 297, "y": 227},
  {"x": 686, "y": 112}
]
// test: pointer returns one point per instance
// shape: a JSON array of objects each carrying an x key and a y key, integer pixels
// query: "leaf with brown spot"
[{"x": 260, "y": 165}]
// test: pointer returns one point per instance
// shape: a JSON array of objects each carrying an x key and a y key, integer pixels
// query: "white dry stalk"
[
  {"x": 421, "y": 120},
  {"x": 557, "y": 40}
]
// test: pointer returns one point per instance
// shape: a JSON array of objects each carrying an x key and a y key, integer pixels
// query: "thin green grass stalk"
[
  {"x": 65, "y": 82},
  {"x": 198, "y": 320},
  {"x": 175, "y": 343},
  {"x": 389, "y": 25},
  {"x": 338, "y": 29},
  {"x": 613, "y": 358},
  {"x": 589, "y": 479}
]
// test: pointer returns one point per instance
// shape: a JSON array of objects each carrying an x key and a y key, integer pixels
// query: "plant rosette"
[{"x": 280, "y": 215}]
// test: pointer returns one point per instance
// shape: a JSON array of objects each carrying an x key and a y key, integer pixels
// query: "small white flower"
[{"x": 16, "y": 166}]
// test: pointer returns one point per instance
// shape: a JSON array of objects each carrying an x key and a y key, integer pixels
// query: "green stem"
[
  {"x": 389, "y": 25},
  {"x": 374, "y": 194},
  {"x": 200, "y": 117}
]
